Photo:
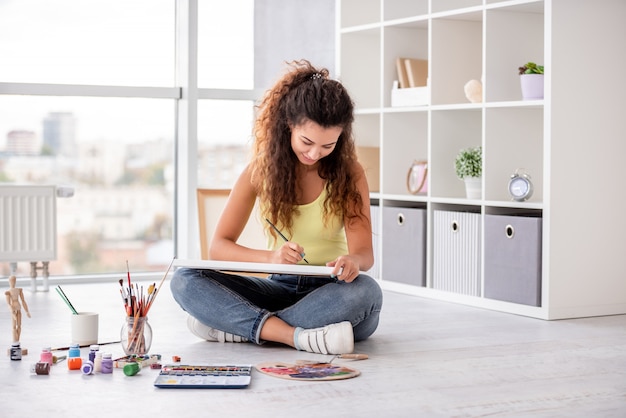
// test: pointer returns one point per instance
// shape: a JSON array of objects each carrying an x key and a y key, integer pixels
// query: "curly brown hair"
[{"x": 304, "y": 93}]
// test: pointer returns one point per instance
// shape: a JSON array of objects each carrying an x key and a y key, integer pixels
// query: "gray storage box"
[
  {"x": 404, "y": 245},
  {"x": 456, "y": 252},
  {"x": 375, "y": 216},
  {"x": 513, "y": 259}
]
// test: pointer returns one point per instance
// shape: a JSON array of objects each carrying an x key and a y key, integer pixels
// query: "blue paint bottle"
[{"x": 73, "y": 358}]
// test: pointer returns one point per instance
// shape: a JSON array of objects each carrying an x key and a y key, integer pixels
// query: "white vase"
[
  {"x": 473, "y": 187},
  {"x": 532, "y": 86}
]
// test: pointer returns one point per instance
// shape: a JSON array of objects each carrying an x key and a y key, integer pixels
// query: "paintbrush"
[
  {"x": 156, "y": 292},
  {"x": 66, "y": 299},
  {"x": 130, "y": 287},
  {"x": 347, "y": 356}
]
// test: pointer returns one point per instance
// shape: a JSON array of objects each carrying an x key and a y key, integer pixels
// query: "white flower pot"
[
  {"x": 532, "y": 86},
  {"x": 473, "y": 187}
]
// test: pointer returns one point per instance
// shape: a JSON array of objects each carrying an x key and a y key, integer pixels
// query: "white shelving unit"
[{"x": 571, "y": 142}]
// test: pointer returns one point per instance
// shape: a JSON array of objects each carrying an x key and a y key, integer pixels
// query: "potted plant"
[
  {"x": 469, "y": 168},
  {"x": 531, "y": 78}
]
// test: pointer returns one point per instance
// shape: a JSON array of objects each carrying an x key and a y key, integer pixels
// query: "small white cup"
[{"x": 85, "y": 328}]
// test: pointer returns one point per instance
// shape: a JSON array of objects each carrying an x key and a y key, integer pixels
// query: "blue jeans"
[{"x": 240, "y": 305}]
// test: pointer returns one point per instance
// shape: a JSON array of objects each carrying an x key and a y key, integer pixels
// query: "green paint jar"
[{"x": 131, "y": 369}]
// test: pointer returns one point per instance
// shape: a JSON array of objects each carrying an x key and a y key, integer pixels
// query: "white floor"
[{"x": 428, "y": 359}]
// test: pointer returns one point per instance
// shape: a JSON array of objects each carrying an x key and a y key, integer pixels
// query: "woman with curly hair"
[{"x": 309, "y": 185}]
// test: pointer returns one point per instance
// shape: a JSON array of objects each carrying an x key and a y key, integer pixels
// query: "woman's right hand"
[{"x": 288, "y": 253}]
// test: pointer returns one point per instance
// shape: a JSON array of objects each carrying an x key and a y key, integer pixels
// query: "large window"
[{"x": 88, "y": 98}]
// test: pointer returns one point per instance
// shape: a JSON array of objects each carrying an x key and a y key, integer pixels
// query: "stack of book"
[{"x": 412, "y": 86}]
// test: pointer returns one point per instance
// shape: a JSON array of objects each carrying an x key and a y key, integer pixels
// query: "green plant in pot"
[
  {"x": 531, "y": 78},
  {"x": 469, "y": 168},
  {"x": 530, "y": 68}
]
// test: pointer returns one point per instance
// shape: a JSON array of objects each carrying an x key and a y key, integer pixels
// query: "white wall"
[{"x": 287, "y": 30}]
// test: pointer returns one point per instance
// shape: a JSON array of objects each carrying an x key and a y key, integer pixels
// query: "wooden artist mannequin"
[{"x": 15, "y": 300}]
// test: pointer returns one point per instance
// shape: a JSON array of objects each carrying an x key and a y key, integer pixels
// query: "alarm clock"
[{"x": 520, "y": 186}]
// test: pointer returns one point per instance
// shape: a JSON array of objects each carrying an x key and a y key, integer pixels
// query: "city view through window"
[{"x": 122, "y": 206}]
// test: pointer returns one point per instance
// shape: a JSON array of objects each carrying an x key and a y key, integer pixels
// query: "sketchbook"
[{"x": 242, "y": 266}]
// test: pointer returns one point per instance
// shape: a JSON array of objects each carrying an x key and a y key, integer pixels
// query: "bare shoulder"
[
  {"x": 245, "y": 182},
  {"x": 358, "y": 171}
]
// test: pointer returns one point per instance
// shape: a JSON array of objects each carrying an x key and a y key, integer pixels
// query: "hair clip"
[{"x": 316, "y": 76}]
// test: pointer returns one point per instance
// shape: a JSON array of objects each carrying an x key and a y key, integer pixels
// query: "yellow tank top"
[{"x": 322, "y": 243}]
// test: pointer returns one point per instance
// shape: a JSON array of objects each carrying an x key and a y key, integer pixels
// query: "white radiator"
[
  {"x": 456, "y": 252},
  {"x": 28, "y": 226},
  {"x": 28, "y": 223}
]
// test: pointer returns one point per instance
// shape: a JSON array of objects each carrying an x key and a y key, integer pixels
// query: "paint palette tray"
[{"x": 176, "y": 376}]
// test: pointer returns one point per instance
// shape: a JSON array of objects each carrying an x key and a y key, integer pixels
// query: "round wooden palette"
[{"x": 307, "y": 371}]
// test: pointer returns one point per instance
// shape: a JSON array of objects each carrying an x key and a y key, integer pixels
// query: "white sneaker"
[
  {"x": 211, "y": 334},
  {"x": 331, "y": 339}
]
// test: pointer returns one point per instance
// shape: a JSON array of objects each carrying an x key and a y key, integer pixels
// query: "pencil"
[{"x": 283, "y": 237}]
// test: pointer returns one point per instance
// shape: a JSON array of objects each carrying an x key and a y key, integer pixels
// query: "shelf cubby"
[
  {"x": 402, "y": 41},
  {"x": 406, "y": 140},
  {"x": 451, "y": 131},
  {"x": 513, "y": 140},
  {"x": 360, "y": 67},
  {"x": 451, "y": 68},
  {"x": 514, "y": 36}
]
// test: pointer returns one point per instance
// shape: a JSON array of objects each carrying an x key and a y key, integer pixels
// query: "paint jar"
[
  {"x": 107, "y": 363},
  {"x": 132, "y": 368},
  {"x": 46, "y": 355},
  {"x": 97, "y": 363},
  {"x": 74, "y": 350},
  {"x": 73, "y": 358},
  {"x": 16, "y": 351},
  {"x": 93, "y": 349},
  {"x": 136, "y": 335},
  {"x": 87, "y": 367},
  {"x": 40, "y": 368}
]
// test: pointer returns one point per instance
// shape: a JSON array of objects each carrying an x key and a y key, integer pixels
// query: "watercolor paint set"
[{"x": 237, "y": 376}]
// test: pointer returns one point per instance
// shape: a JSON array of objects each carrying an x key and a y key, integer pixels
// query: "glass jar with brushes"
[
  {"x": 136, "y": 332},
  {"x": 136, "y": 335}
]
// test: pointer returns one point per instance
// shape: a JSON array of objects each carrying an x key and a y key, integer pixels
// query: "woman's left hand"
[{"x": 346, "y": 268}]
